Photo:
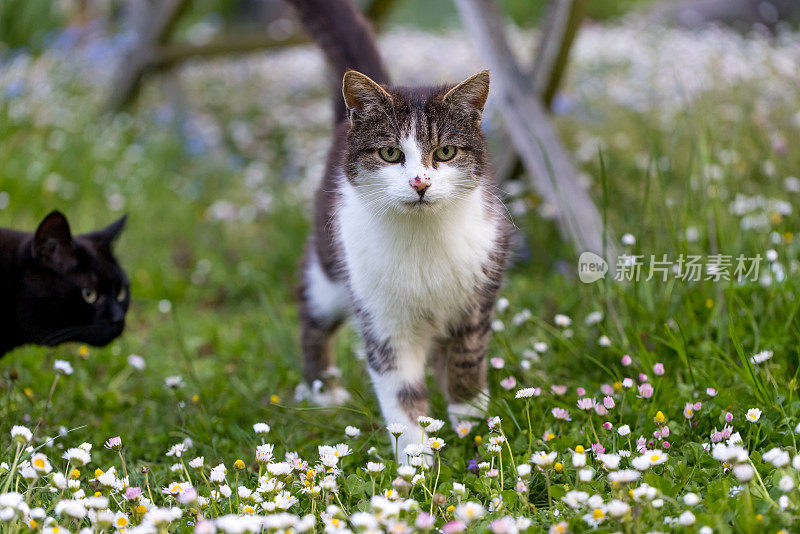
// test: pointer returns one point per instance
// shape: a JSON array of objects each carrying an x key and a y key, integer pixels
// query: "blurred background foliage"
[{"x": 31, "y": 24}]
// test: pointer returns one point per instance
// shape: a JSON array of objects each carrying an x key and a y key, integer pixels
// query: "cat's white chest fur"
[{"x": 416, "y": 273}]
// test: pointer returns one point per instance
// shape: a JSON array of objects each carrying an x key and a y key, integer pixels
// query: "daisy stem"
[
  {"x": 208, "y": 487},
  {"x": 436, "y": 483},
  {"x": 13, "y": 468},
  {"x": 340, "y": 504},
  {"x": 147, "y": 483},
  {"x": 549, "y": 496},
  {"x": 50, "y": 396},
  {"x": 500, "y": 459},
  {"x": 186, "y": 471},
  {"x": 591, "y": 423},
  {"x": 530, "y": 429},
  {"x": 122, "y": 459},
  {"x": 236, "y": 484},
  {"x": 761, "y": 483},
  {"x": 510, "y": 453}
]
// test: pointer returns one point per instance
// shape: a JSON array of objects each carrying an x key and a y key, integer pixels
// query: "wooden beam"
[
  {"x": 559, "y": 29},
  {"x": 377, "y": 11},
  {"x": 172, "y": 54},
  {"x": 532, "y": 133},
  {"x": 154, "y": 31}
]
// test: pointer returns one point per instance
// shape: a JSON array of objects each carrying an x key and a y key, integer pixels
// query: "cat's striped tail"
[{"x": 345, "y": 36}]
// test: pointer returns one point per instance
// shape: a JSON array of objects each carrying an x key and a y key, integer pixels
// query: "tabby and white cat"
[{"x": 409, "y": 237}]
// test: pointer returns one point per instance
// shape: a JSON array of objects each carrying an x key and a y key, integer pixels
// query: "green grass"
[{"x": 231, "y": 331}]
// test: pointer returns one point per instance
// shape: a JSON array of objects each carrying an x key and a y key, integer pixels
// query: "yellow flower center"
[
  {"x": 335, "y": 522},
  {"x": 451, "y": 508},
  {"x": 75, "y": 473},
  {"x": 655, "y": 458},
  {"x": 38, "y": 462},
  {"x": 550, "y": 436},
  {"x": 98, "y": 472},
  {"x": 558, "y": 466},
  {"x": 177, "y": 488},
  {"x": 598, "y": 513},
  {"x": 579, "y": 448},
  {"x": 97, "y": 494},
  {"x": 121, "y": 522},
  {"x": 141, "y": 509},
  {"x": 32, "y": 523},
  {"x": 274, "y": 399}
]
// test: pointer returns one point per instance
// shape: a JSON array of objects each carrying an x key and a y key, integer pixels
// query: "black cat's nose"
[{"x": 117, "y": 315}]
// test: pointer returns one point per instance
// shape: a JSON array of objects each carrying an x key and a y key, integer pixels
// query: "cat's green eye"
[
  {"x": 445, "y": 153},
  {"x": 123, "y": 292},
  {"x": 390, "y": 154},
  {"x": 89, "y": 295}
]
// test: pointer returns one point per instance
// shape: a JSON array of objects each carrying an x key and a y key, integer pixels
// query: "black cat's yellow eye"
[
  {"x": 123, "y": 292},
  {"x": 89, "y": 295},
  {"x": 390, "y": 154},
  {"x": 445, "y": 153}
]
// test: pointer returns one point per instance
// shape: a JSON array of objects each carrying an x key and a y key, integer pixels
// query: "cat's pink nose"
[{"x": 420, "y": 184}]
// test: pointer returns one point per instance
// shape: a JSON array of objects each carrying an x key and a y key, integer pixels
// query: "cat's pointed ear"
[
  {"x": 362, "y": 95},
  {"x": 106, "y": 236},
  {"x": 470, "y": 94},
  {"x": 52, "y": 243}
]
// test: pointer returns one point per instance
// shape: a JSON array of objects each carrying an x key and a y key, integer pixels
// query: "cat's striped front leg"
[
  {"x": 465, "y": 361},
  {"x": 398, "y": 375}
]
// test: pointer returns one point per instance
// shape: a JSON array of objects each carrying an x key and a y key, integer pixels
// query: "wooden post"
[
  {"x": 559, "y": 29},
  {"x": 532, "y": 133}
]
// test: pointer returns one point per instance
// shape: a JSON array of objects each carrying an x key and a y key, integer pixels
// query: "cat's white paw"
[
  {"x": 321, "y": 396},
  {"x": 464, "y": 411}
]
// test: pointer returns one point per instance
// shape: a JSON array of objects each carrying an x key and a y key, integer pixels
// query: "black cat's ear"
[
  {"x": 109, "y": 234},
  {"x": 52, "y": 243},
  {"x": 471, "y": 94},
  {"x": 362, "y": 95}
]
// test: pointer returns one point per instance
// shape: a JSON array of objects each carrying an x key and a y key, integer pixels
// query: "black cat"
[{"x": 56, "y": 288}]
